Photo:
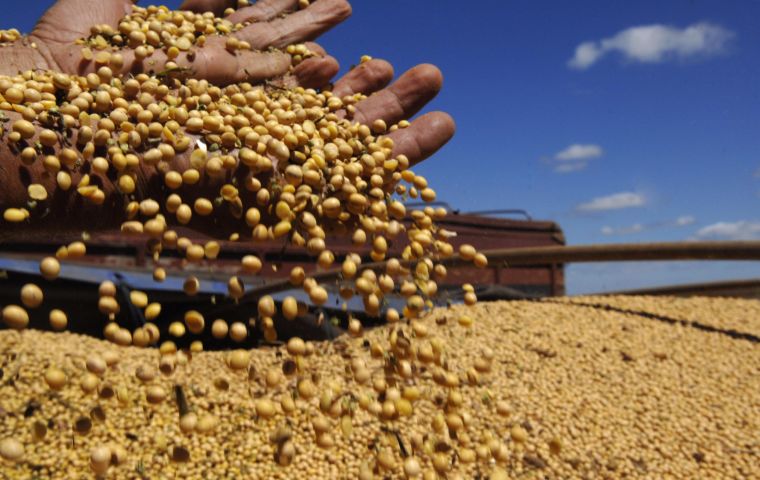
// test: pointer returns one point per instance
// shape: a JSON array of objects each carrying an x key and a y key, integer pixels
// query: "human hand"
[
  {"x": 411, "y": 92},
  {"x": 400, "y": 101},
  {"x": 273, "y": 24}
]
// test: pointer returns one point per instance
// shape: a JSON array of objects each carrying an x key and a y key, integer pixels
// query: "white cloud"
[
  {"x": 635, "y": 228},
  {"x": 681, "y": 221},
  {"x": 586, "y": 54},
  {"x": 579, "y": 152},
  {"x": 655, "y": 43},
  {"x": 575, "y": 157},
  {"x": 740, "y": 230},
  {"x": 684, "y": 220},
  {"x": 615, "y": 201}
]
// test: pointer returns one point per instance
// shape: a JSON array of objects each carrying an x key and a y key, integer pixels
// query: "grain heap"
[
  {"x": 528, "y": 390},
  {"x": 738, "y": 316}
]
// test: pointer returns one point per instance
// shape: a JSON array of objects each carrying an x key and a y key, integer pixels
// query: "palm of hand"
[{"x": 271, "y": 23}]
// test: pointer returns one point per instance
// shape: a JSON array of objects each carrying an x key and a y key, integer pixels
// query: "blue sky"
[{"x": 663, "y": 121}]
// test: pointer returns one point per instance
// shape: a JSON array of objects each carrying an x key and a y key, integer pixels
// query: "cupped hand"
[
  {"x": 273, "y": 23},
  {"x": 390, "y": 102}
]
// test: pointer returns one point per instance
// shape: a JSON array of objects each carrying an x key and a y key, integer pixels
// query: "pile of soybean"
[{"x": 548, "y": 389}]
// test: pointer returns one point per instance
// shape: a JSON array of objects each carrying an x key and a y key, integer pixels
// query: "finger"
[
  {"x": 366, "y": 78},
  {"x": 412, "y": 91},
  {"x": 200, "y": 6},
  {"x": 316, "y": 72},
  {"x": 262, "y": 10},
  {"x": 297, "y": 27},
  {"x": 425, "y": 136},
  {"x": 315, "y": 48}
]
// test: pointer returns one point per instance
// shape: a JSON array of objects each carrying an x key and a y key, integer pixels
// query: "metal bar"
[
  {"x": 747, "y": 250},
  {"x": 507, "y": 211},
  {"x": 431, "y": 204}
]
